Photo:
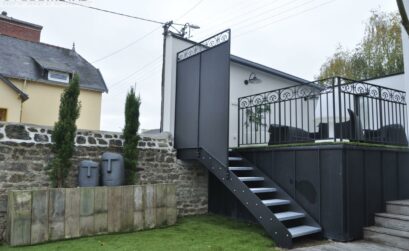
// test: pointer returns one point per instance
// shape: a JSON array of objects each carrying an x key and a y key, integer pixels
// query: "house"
[
  {"x": 301, "y": 158},
  {"x": 33, "y": 76}
]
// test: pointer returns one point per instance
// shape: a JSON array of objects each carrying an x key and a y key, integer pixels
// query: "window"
[
  {"x": 3, "y": 114},
  {"x": 58, "y": 76}
]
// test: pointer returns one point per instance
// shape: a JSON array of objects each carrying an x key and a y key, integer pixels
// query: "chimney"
[{"x": 19, "y": 29}]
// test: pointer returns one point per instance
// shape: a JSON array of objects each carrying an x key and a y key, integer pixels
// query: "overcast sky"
[{"x": 294, "y": 36}]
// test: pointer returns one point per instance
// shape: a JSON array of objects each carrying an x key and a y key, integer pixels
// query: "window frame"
[{"x": 49, "y": 77}]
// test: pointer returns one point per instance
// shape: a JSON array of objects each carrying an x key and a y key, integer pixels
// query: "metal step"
[
  {"x": 263, "y": 190},
  {"x": 240, "y": 168},
  {"x": 289, "y": 216},
  {"x": 235, "y": 158},
  {"x": 303, "y": 230},
  {"x": 275, "y": 202},
  {"x": 244, "y": 179}
]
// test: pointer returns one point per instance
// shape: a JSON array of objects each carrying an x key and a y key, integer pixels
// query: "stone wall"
[{"x": 25, "y": 151}]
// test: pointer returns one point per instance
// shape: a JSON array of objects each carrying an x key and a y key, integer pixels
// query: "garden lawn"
[{"x": 207, "y": 232}]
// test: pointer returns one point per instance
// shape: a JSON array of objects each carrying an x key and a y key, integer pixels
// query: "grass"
[{"x": 207, "y": 232}]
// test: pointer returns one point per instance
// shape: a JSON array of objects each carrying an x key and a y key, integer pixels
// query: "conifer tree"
[
  {"x": 131, "y": 137},
  {"x": 64, "y": 133}
]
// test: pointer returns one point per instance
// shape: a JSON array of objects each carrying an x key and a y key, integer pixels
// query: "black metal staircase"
[
  {"x": 281, "y": 216},
  {"x": 202, "y": 128}
]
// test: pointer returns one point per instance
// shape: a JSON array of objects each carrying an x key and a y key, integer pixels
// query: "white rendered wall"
[
  {"x": 395, "y": 82},
  {"x": 405, "y": 43},
  {"x": 173, "y": 46},
  {"x": 239, "y": 73}
]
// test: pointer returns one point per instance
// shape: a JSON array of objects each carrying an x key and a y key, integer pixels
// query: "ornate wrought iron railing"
[
  {"x": 195, "y": 49},
  {"x": 334, "y": 109}
]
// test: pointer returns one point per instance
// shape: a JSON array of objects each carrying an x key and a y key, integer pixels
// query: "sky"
[{"x": 294, "y": 36}]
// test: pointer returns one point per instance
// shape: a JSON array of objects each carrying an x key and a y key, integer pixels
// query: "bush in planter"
[
  {"x": 64, "y": 133},
  {"x": 130, "y": 134}
]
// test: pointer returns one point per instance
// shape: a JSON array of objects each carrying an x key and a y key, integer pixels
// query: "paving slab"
[{"x": 348, "y": 246}]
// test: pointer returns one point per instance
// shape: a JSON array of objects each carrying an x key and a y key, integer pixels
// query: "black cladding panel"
[
  {"x": 187, "y": 103},
  {"x": 202, "y": 97},
  {"x": 214, "y": 102}
]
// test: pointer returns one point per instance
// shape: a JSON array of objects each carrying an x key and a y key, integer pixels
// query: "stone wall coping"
[
  {"x": 36, "y": 134},
  {"x": 162, "y": 135}
]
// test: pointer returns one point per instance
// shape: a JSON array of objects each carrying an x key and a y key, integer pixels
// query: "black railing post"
[
  {"x": 279, "y": 116},
  {"x": 238, "y": 122},
  {"x": 380, "y": 106},
  {"x": 340, "y": 108},
  {"x": 333, "y": 109}
]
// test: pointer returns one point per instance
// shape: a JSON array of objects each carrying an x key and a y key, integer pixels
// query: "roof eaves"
[
  {"x": 103, "y": 81},
  {"x": 44, "y": 81},
  {"x": 22, "y": 94},
  {"x": 267, "y": 69}
]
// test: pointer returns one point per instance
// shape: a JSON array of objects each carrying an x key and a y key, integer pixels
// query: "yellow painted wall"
[
  {"x": 10, "y": 100},
  {"x": 44, "y": 100}
]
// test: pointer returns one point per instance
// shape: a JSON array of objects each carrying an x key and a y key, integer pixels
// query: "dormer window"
[{"x": 59, "y": 76}]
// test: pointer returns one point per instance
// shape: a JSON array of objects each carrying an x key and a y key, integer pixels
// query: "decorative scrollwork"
[
  {"x": 374, "y": 91},
  {"x": 287, "y": 94},
  {"x": 272, "y": 97},
  {"x": 314, "y": 90},
  {"x": 204, "y": 45},
  {"x": 281, "y": 95}
]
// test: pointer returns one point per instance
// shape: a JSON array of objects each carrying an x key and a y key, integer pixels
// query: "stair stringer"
[
  {"x": 275, "y": 229},
  {"x": 282, "y": 194}
]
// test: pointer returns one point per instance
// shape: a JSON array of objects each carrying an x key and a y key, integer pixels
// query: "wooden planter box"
[{"x": 36, "y": 216}]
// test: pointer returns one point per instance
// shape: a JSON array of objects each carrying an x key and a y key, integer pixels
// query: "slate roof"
[{"x": 26, "y": 60}]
